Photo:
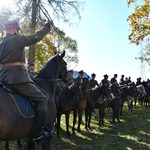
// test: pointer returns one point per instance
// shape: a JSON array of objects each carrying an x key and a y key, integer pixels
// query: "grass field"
[{"x": 132, "y": 133}]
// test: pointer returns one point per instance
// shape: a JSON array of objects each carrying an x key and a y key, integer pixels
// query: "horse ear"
[{"x": 63, "y": 54}]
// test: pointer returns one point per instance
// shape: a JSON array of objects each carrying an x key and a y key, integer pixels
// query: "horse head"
[
  {"x": 55, "y": 68},
  {"x": 76, "y": 88},
  {"x": 85, "y": 84}
]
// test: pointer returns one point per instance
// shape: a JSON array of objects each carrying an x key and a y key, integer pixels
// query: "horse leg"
[
  {"x": 86, "y": 119},
  {"x": 74, "y": 121},
  {"x": 58, "y": 124},
  {"x": 67, "y": 123},
  {"x": 99, "y": 117},
  {"x": 30, "y": 143},
  {"x": 89, "y": 121},
  {"x": 121, "y": 108},
  {"x": 7, "y": 145},
  {"x": 80, "y": 120},
  {"x": 117, "y": 115},
  {"x": 102, "y": 115},
  {"x": 135, "y": 101},
  {"x": 46, "y": 144},
  {"x": 114, "y": 115}
]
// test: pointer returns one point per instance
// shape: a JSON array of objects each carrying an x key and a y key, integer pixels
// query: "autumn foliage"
[{"x": 139, "y": 20}]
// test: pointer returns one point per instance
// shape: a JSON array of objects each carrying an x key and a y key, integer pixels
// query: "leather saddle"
[{"x": 25, "y": 106}]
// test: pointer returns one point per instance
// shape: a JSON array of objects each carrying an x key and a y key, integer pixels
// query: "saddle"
[{"x": 25, "y": 106}]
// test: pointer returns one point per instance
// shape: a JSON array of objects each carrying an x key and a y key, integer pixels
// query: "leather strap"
[{"x": 12, "y": 64}]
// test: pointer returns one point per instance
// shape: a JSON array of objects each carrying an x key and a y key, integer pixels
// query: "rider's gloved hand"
[{"x": 47, "y": 25}]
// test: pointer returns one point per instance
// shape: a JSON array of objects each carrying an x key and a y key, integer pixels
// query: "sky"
[{"x": 102, "y": 37}]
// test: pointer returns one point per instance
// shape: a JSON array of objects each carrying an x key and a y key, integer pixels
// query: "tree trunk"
[{"x": 33, "y": 25}]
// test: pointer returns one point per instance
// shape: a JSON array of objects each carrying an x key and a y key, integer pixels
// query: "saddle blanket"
[{"x": 24, "y": 105}]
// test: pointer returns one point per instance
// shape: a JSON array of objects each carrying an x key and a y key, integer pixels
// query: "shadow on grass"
[{"x": 133, "y": 132}]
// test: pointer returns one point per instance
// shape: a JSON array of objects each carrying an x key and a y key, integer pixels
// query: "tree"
[
  {"x": 55, "y": 44},
  {"x": 33, "y": 14},
  {"x": 145, "y": 51},
  {"x": 139, "y": 21},
  {"x": 66, "y": 43},
  {"x": 140, "y": 27},
  {"x": 36, "y": 10}
]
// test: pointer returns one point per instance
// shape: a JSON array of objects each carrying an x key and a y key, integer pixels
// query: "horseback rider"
[
  {"x": 105, "y": 81},
  {"x": 115, "y": 86},
  {"x": 13, "y": 69},
  {"x": 80, "y": 76},
  {"x": 93, "y": 82},
  {"x": 122, "y": 81},
  {"x": 70, "y": 77},
  {"x": 138, "y": 82}
]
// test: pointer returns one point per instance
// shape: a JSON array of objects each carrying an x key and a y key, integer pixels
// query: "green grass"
[{"x": 132, "y": 133}]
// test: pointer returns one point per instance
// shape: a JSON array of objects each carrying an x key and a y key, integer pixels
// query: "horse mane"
[{"x": 44, "y": 72}]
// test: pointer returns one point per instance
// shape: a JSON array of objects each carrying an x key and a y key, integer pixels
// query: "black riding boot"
[{"x": 38, "y": 126}]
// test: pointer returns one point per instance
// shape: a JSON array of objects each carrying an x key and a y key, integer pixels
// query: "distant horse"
[
  {"x": 114, "y": 102},
  {"x": 80, "y": 105},
  {"x": 101, "y": 106},
  {"x": 65, "y": 103},
  {"x": 92, "y": 97},
  {"x": 142, "y": 95},
  {"x": 128, "y": 94},
  {"x": 13, "y": 125},
  {"x": 145, "y": 100}
]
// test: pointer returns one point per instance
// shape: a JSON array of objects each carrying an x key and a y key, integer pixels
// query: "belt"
[{"x": 11, "y": 64}]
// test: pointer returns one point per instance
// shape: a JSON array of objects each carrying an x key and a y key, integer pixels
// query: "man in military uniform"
[
  {"x": 70, "y": 77},
  {"x": 122, "y": 81},
  {"x": 105, "y": 81},
  {"x": 13, "y": 69},
  {"x": 114, "y": 86},
  {"x": 93, "y": 82},
  {"x": 79, "y": 78}
]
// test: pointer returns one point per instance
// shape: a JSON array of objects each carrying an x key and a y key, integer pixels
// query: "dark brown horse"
[
  {"x": 101, "y": 106},
  {"x": 128, "y": 94},
  {"x": 12, "y": 125},
  {"x": 66, "y": 101},
  {"x": 92, "y": 97},
  {"x": 80, "y": 105},
  {"x": 115, "y": 105}
]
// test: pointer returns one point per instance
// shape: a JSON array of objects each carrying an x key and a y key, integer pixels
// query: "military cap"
[
  {"x": 105, "y": 75},
  {"x": 14, "y": 24},
  {"x": 93, "y": 74},
  {"x": 115, "y": 75},
  {"x": 80, "y": 72},
  {"x": 70, "y": 71}
]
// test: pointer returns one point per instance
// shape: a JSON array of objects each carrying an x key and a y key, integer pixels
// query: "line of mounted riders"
[
  {"x": 84, "y": 94},
  {"x": 81, "y": 94}
]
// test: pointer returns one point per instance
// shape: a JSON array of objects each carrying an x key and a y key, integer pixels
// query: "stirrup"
[{"x": 39, "y": 138}]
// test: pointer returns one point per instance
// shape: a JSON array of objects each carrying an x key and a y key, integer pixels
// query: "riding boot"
[{"x": 38, "y": 126}]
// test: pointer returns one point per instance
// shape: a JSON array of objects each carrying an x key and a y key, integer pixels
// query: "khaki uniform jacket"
[{"x": 12, "y": 50}]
